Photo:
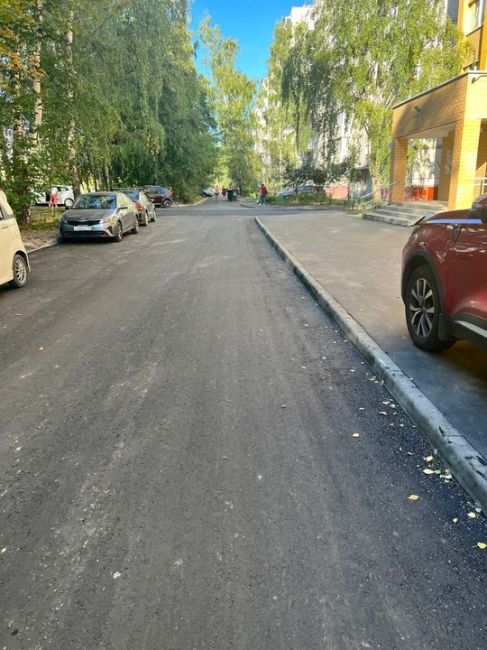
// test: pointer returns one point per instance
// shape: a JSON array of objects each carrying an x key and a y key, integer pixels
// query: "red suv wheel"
[{"x": 423, "y": 310}]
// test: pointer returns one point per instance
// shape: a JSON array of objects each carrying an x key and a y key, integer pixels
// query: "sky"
[{"x": 251, "y": 22}]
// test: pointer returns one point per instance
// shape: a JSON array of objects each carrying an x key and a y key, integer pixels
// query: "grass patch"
[
  {"x": 43, "y": 219},
  {"x": 306, "y": 199}
]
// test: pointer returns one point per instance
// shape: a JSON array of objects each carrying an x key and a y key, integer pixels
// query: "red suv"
[
  {"x": 159, "y": 195},
  {"x": 444, "y": 278}
]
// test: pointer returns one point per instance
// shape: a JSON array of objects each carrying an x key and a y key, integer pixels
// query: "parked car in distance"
[
  {"x": 108, "y": 215},
  {"x": 208, "y": 191},
  {"x": 65, "y": 195},
  {"x": 159, "y": 195},
  {"x": 304, "y": 188},
  {"x": 145, "y": 208},
  {"x": 14, "y": 261},
  {"x": 444, "y": 278}
]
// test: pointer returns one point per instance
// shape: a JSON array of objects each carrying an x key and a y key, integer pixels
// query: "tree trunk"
[
  {"x": 73, "y": 172},
  {"x": 37, "y": 73}
]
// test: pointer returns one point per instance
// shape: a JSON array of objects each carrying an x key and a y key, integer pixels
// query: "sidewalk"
[{"x": 359, "y": 263}]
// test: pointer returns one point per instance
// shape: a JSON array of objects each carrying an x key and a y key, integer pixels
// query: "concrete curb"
[
  {"x": 465, "y": 462},
  {"x": 50, "y": 242},
  {"x": 393, "y": 221},
  {"x": 190, "y": 205},
  {"x": 246, "y": 204}
]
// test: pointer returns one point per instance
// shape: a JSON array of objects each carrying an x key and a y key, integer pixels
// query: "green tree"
[
  {"x": 363, "y": 67},
  {"x": 277, "y": 138},
  {"x": 232, "y": 97},
  {"x": 100, "y": 93}
]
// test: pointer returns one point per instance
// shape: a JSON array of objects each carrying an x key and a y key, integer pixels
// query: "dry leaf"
[
  {"x": 428, "y": 459},
  {"x": 40, "y": 348},
  {"x": 482, "y": 545},
  {"x": 355, "y": 435},
  {"x": 413, "y": 497},
  {"x": 455, "y": 520},
  {"x": 472, "y": 515},
  {"x": 428, "y": 471}
]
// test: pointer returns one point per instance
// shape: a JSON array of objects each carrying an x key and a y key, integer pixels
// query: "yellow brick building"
[{"x": 456, "y": 113}]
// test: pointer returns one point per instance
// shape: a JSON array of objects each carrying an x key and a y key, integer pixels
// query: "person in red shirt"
[
  {"x": 53, "y": 198},
  {"x": 263, "y": 194}
]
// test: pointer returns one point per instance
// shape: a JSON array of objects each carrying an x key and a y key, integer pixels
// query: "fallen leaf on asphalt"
[
  {"x": 116, "y": 575},
  {"x": 413, "y": 497},
  {"x": 283, "y": 406},
  {"x": 382, "y": 413},
  {"x": 427, "y": 470},
  {"x": 355, "y": 435},
  {"x": 455, "y": 520},
  {"x": 428, "y": 459},
  {"x": 482, "y": 545},
  {"x": 472, "y": 515},
  {"x": 40, "y": 348}
]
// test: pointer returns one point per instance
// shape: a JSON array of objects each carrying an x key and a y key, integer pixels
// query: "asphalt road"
[
  {"x": 359, "y": 263},
  {"x": 177, "y": 465}
]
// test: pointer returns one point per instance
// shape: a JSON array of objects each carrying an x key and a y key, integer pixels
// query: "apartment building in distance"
[{"x": 454, "y": 116}]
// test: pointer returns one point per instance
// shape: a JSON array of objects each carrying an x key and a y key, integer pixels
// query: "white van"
[
  {"x": 14, "y": 262},
  {"x": 65, "y": 196}
]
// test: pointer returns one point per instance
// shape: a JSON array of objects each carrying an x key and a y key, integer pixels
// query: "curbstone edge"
[{"x": 467, "y": 465}]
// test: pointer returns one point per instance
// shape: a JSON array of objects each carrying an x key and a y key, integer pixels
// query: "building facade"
[{"x": 453, "y": 118}]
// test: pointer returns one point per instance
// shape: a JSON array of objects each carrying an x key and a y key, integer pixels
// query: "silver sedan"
[{"x": 108, "y": 215}]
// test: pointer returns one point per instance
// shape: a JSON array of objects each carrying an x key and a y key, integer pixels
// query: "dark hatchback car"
[
  {"x": 107, "y": 215},
  {"x": 444, "y": 278},
  {"x": 161, "y": 196},
  {"x": 145, "y": 208}
]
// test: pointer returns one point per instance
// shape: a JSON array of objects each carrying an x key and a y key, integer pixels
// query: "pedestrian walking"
[
  {"x": 262, "y": 195},
  {"x": 53, "y": 198}
]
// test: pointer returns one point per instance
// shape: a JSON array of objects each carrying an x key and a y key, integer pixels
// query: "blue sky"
[{"x": 251, "y": 22}]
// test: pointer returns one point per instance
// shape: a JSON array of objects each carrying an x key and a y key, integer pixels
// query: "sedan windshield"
[{"x": 96, "y": 202}]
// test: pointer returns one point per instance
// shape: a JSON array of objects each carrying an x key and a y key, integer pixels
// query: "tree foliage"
[
  {"x": 232, "y": 97},
  {"x": 118, "y": 99},
  {"x": 359, "y": 58}
]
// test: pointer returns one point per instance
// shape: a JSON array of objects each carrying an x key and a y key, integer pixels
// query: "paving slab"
[{"x": 359, "y": 263}]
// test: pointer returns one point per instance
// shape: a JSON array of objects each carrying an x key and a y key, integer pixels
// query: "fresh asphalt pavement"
[
  {"x": 178, "y": 470},
  {"x": 359, "y": 264}
]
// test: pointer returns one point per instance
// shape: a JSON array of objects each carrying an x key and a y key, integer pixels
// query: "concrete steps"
[{"x": 404, "y": 214}]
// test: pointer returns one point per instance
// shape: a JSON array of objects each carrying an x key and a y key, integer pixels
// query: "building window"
[{"x": 475, "y": 14}]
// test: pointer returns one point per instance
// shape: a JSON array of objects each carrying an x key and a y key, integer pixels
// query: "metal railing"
[{"x": 379, "y": 196}]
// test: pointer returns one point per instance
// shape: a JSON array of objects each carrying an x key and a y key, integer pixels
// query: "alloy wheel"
[
  {"x": 422, "y": 307},
  {"x": 20, "y": 270}
]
